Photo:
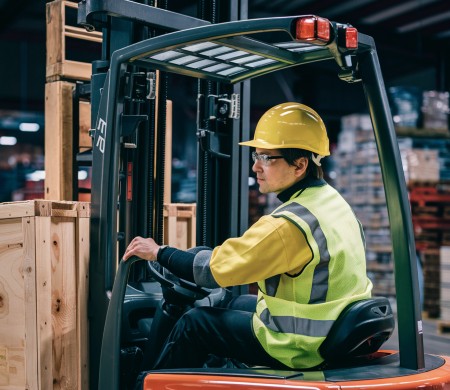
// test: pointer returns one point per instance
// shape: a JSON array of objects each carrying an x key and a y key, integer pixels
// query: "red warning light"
[
  {"x": 313, "y": 29},
  {"x": 351, "y": 38},
  {"x": 306, "y": 28},
  {"x": 323, "y": 29}
]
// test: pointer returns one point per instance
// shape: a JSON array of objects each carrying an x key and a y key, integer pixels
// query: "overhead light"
[
  {"x": 82, "y": 175},
  {"x": 391, "y": 12},
  {"x": 443, "y": 34},
  {"x": 8, "y": 141},
  {"x": 37, "y": 175},
  {"x": 424, "y": 22},
  {"x": 29, "y": 127}
]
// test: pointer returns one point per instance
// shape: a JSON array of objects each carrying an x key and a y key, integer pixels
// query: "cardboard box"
[
  {"x": 421, "y": 165},
  {"x": 44, "y": 253},
  {"x": 435, "y": 110}
]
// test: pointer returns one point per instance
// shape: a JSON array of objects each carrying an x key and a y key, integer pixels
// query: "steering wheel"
[{"x": 174, "y": 288}]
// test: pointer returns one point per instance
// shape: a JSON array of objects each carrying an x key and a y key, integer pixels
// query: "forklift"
[{"x": 134, "y": 304}]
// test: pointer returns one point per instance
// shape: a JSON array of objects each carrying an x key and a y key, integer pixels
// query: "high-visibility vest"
[{"x": 294, "y": 313}]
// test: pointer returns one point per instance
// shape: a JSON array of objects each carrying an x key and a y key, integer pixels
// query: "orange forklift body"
[{"x": 438, "y": 378}]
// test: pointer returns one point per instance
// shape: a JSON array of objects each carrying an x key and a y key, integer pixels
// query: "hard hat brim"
[{"x": 259, "y": 143}]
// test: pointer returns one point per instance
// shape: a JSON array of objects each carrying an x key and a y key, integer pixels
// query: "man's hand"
[{"x": 145, "y": 248}]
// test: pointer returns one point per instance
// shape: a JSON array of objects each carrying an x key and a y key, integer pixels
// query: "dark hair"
[{"x": 291, "y": 155}]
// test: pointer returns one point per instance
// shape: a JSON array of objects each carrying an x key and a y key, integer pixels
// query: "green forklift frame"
[{"x": 225, "y": 53}]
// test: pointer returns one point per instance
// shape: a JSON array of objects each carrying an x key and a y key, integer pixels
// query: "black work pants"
[{"x": 222, "y": 332}]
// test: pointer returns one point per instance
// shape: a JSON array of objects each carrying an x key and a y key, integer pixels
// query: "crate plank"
[
  {"x": 85, "y": 140},
  {"x": 83, "y": 294},
  {"x": 14, "y": 297},
  {"x": 29, "y": 269},
  {"x": 43, "y": 304},
  {"x": 58, "y": 140},
  {"x": 57, "y": 304},
  {"x": 18, "y": 210}
]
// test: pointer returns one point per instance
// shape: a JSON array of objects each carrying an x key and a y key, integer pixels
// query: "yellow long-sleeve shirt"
[{"x": 272, "y": 246}]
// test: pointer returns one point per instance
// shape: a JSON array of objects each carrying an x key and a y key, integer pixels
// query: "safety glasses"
[{"x": 264, "y": 158}]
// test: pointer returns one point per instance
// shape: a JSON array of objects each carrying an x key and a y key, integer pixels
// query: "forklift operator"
[{"x": 307, "y": 257}]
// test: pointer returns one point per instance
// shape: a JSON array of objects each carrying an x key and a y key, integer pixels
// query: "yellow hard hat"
[{"x": 291, "y": 125}]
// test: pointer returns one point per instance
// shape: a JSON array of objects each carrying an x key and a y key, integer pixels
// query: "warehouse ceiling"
[
  {"x": 413, "y": 33},
  {"x": 411, "y": 36}
]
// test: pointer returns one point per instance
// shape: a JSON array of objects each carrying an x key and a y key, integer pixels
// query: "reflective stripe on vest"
[
  {"x": 272, "y": 285},
  {"x": 321, "y": 273},
  {"x": 300, "y": 326}
]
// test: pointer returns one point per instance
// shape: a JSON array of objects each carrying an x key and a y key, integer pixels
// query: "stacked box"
[
  {"x": 426, "y": 164},
  {"x": 421, "y": 165},
  {"x": 445, "y": 283},
  {"x": 44, "y": 254},
  {"x": 435, "y": 110},
  {"x": 383, "y": 282},
  {"x": 359, "y": 181},
  {"x": 425, "y": 159},
  {"x": 406, "y": 104}
]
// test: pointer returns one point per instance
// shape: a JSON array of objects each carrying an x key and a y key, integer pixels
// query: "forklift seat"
[{"x": 360, "y": 330}]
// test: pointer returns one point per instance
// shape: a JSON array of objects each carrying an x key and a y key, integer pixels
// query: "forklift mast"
[
  {"x": 219, "y": 48},
  {"x": 127, "y": 193}
]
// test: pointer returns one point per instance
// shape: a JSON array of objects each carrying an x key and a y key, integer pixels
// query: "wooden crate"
[
  {"x": 44, "y": 252},
  {"x": 59, "y": 138},
  {"x": 59, "y": 30},
  {"x": 180, "y": 225},
  {"x": 62, "y": 72}
]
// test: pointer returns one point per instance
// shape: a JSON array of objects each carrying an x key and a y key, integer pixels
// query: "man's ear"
[{"x": 301, "y": 166}]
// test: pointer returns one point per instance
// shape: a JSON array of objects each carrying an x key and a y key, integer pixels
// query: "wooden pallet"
[
  {"x": 424, "y": 195},
  {"x": 422, "y": 132},
  {"x": 443, "y": 326}
]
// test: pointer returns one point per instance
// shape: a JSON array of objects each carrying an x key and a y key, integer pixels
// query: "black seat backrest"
[{"x": 360, "y": 330}]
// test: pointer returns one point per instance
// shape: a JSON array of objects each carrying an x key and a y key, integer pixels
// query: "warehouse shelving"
[{"x": 426, "y": 163}]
